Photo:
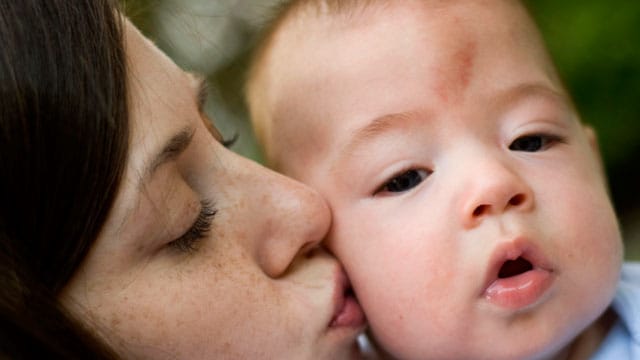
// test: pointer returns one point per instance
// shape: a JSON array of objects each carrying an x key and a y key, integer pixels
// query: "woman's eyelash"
[
  {"x": 230, "y": 141},
  {"x": 188, "y": 242}
]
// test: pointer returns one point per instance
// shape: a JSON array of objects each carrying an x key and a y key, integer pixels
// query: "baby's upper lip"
[{"x": 514, "y": 249}]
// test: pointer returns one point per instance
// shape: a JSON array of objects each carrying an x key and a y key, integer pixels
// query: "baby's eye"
[
  {"x": 533, "y": 143},
  {"x": 404, "y": 182}
]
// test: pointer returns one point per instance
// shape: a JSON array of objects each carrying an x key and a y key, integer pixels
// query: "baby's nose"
[{"x": 493, "y": 189}]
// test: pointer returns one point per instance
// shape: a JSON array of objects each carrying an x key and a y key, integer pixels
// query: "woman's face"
[{"x": 206, "y": 254}]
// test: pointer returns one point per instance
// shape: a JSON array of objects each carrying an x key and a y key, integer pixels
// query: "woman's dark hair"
[{"x": 63, "y": 145}]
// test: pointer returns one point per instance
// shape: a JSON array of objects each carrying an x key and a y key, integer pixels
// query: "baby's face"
[{"x": 469, "y": 206}]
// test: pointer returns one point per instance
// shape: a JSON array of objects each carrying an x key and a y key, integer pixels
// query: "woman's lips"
[
  {"x": 518, "y": 276},
  {"x": 347, "y": 310}
]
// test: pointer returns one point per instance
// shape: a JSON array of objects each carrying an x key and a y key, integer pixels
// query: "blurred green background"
[{"x": 595, "y": 44}]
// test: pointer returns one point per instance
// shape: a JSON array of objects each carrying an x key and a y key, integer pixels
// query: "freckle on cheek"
[{"x": 115, "y": 321}]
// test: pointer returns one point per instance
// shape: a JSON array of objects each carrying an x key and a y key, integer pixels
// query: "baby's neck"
[{"x": 590, "y": 339}]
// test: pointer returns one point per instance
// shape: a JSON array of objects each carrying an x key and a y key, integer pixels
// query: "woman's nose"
[
  {"x": 493, "y": 189},
  {"x": 290, "y": 220}
]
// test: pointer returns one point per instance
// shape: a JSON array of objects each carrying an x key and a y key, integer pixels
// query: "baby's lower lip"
[{"x": 520, "y": 291}]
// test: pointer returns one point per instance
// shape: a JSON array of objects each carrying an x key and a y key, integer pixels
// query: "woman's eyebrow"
[
  {"x": 181, "y": 140},
  {"x": 175, "y": 146}
]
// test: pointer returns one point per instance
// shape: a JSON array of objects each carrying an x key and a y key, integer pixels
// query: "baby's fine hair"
[
  {"x": 284, "y": 10},
  {"x": 288, "y": 10}
]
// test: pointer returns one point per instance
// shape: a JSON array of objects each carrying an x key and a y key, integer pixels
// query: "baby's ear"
[{"x": 592, "y": 137}]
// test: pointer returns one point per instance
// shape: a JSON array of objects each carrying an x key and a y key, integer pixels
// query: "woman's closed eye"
[
  {"x": 404, "y": 181},
  {"x": 188, "y": 242},
  {"x": 534, "y": 142}
]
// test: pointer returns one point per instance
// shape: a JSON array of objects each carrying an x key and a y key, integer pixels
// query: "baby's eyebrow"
[
  {"x": 379, "y": 126},
  {"x": 384, "y": 124},
  {"x": 526, "y": 90}
]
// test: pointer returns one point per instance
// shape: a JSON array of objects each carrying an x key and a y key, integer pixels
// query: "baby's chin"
[{"x": 546, "y": 339}]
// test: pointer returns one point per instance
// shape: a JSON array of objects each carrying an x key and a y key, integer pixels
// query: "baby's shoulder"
[
  {"x": 631, "y": 272},
  {"x": 623, "y": 340},
  {"x": 627, "y": 299}
]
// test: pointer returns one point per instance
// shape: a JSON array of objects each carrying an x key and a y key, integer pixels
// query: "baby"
[{"x": 470, "y": 206}]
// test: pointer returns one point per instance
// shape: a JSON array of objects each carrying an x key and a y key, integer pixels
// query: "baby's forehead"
[{"x": 313, "y": 50}]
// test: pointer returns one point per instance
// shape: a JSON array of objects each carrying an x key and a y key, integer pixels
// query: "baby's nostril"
[
  {"x": 516, "y": 200},
  {"x": 480, "y": 210}
]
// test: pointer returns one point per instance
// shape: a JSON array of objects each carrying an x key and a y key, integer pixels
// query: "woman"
[{"x": 127, "y": 229}]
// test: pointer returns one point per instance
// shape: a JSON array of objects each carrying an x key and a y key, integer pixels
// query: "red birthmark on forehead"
[{"x": 455, "y": 72}]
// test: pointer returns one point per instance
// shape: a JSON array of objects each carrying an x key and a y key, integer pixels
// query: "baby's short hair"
[{"x": 279, "y": 15}]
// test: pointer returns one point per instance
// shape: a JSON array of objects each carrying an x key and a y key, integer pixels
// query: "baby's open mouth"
[
  {"x": 514, "y": 267},
  {"x": 518, "y": 276}
]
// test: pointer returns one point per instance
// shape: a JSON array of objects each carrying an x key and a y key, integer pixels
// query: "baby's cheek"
[
  {"x": 384, "y": 285},
  {"x": 367, "y": 265}
]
